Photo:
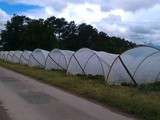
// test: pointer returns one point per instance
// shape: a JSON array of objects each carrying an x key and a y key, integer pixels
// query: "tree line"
[{"x": 24, "y": 33}]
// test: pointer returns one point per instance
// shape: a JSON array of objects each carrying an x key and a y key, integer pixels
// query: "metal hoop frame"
[{"x": 127, "y": 70}]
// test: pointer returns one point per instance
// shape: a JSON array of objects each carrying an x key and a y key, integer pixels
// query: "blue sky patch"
[{"x": 16, "y": 8}]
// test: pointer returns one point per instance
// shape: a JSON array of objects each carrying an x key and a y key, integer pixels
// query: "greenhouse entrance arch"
[{"x": 136, "y": 66}]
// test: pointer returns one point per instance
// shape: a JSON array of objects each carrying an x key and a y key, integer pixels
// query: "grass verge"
[{"x": 139, "y": 101}]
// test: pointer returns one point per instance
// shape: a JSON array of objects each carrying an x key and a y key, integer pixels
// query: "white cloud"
[
  {"x": 136, "y": 20},
  {"x": 139, "y": 26},
  {"x": 3, "y": 18},
  {"x": 128, "y": 5},
  {"x": 86, "y": 12},
  {"x": 40, "y": 13}
]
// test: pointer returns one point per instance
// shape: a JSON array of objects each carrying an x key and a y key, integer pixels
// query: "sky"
[{"x": 134, "y": 20}]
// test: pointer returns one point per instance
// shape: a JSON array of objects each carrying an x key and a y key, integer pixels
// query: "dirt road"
[
  {"x": 3, "y": 113},
  {"x": 28, "y": 99}
]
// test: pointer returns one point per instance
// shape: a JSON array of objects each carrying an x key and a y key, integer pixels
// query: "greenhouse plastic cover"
[
  {"x": 136, "y": 66},
  {"x": 89, "y": 62},
  {"x": 10, "y": 56},
  {"x": 1, "y": 54},
  {"x": 24, "y": 59},
  {"x": 16, "y": 56},
  {"x": 38, "y": 58},
  {"x": 4, "y": 55},
  {"x": 58, "y": 59}
]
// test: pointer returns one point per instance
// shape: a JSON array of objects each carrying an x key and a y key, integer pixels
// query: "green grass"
[
  {"x": 155, "y": 87},
  {"x": 142, "y": 101}
]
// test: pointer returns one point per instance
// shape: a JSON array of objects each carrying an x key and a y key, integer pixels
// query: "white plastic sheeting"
[
  {"x": 24, "y": 59},
  {"x": 136, "y": 66},
  {"x": 4, "y": 56},
  {"x": 1, "y": 54},
  {"x": 38, "y": 58},
  {"x": 10, "y": 56},
  {"x": 16, "y": 56},
  {"x": 89, "y": 62},
  {"x": 58, "y": 59}
]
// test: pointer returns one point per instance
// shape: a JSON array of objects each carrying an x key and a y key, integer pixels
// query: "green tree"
[
  {"x": 24, "y": 33},
  {"x": 39, "y": 34},
  {"x": 11, "y": 35}
]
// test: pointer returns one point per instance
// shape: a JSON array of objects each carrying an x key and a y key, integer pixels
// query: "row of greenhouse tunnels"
[{"x": 140, "y": 65}]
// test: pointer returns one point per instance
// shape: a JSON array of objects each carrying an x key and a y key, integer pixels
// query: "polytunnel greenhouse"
[
  {"x": 1, "y": 54},
  {"x": 58, "y": 59},
  {"x": 4, "y": 55},
  {"x": 16, "y": 56},
  {"x": 24, "y": 59},
  {"x": 10, "y": 56},
  {"x": 89, "y": 62},
  {"x": 136, "y": 66},
  {"x": 37, "y": 58}
]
